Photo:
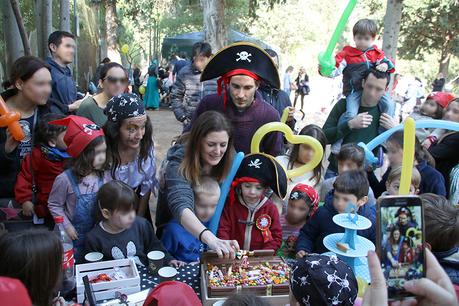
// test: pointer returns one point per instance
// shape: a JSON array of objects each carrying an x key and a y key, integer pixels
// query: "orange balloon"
[{"x": 10, "y": 119}]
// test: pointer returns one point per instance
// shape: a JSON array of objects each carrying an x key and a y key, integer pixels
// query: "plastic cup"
[
  {"x": 155, "y": 261},
  {"x": 167, "y": 274}
]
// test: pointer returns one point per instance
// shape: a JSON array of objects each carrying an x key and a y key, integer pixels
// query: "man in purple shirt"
[{"x": 241, "y": 68}]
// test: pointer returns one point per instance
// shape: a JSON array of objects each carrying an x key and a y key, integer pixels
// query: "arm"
[
  {"x": 438, "y": 183},
  {"x": 272, "y": 144},
  {"x": 177, "y": 96},
  {"x": 334, "y": 131},
  {"x": 58, "y": 197},
  {"x": 169, "y": 241},
  {"x": 446, "y": 149},
  {"x": 143, "y": 204},
  {"x": 224, "y": 226},
  {"x": 308, "y": 233},
  {"x": 151, "y": 242},
  {"x": 276, "y": 230},
  {"x": 23, "y": 186},
  {"x": 199, "y": 110},
  {"x": 383, "y": 59},
  {"x": 340, "y": 65}
]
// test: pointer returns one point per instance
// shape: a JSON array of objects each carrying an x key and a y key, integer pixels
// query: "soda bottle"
[{"x": 68, "y": 261}]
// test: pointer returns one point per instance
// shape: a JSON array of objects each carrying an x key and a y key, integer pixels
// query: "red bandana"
[
  {"x": 238, "y": 181},
  {"x": 224, "y": 80}
]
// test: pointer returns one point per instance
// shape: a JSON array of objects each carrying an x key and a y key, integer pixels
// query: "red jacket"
[
  {"x": 353, "y": 63},
  {"x": 45, "y": 172},
  {"x": 236, "y": 223}
]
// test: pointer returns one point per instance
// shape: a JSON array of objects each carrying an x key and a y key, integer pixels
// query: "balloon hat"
[{"x": 10, "y": 119}]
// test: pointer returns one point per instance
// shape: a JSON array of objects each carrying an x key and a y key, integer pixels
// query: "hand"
[
  {"x": 58, "y": 301},
  {"x": 427, "y": 143},
  {"x": 435, "y": 289},
  {"x": 376, "y": 294},
  {"x": 176, "y": 263},
  {"x": 76, "y": 105},
  {"x": 224, "y": 248},
  {"x": 27, "y": 208},
  {"x": 387, "y": 121},
  {"x": 361, "y": 121},
  {"x": 301, "y": 254},
  {"x": 71, "y": 231},
  {"x": 382, "y": 67},
  {"x": 10, "y": 143},
  {"x": 291, "y": 112}
]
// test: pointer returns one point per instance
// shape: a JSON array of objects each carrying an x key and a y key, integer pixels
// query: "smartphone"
[{"x": 400, "y": 242}]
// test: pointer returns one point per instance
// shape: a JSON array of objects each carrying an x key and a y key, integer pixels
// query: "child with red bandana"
[
  {"x": 249, "y": 216},
  {"x": 302, "y": 204}
]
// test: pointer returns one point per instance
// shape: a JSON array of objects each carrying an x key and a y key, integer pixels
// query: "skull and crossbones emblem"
[
  {"x": 244, "y": 56},
  {"x": 255, "y": 163},
  {"x": 88, "y": 128}
]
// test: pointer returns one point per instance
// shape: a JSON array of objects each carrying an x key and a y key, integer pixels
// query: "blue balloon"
[
  {"x": 224, "y": 189},
  {"x": 421, "y": 124}
]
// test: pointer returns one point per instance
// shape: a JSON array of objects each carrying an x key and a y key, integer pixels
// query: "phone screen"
[{"x": 401, "y": 240}]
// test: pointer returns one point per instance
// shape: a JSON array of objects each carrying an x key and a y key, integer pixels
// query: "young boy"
[
  {"x": 350, "y": 187},
  {"x": 302, "y": 205},
  {"x": 176, "y": 239},
  {"x": 350, "y": 157},
  {"x": 353, "y": 63},
  {"x": 393, "y": 182},
  {"x": 442, "y": 232},
  {"x": 47, "y": 162},
  {"x": 249, "y": 216}
]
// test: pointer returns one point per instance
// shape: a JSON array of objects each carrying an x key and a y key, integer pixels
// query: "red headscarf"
[
  {"x": 236, "y": 183},
  {"x": 302, "y": 191},
  {"x": 224, "y": 80}
]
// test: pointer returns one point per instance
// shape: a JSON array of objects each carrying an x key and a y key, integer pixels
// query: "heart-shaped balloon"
[{"x": 292, "y": 138}]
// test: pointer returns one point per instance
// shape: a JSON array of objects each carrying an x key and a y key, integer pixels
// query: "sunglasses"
[{"x": 116, "y": 80}]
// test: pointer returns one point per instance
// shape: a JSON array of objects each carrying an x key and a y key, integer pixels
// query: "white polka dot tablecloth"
[{"x": 189, "y": 274}]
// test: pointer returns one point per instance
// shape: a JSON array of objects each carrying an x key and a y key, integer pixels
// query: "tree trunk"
[
  {"x": 392, "y": 27},
  {"x": 47, "y": 22},
  {"x": 14, "y": 47},
  {"x": 444, "y": 62},
  {"x": 20, "y": 23},
  {"x": 65, "y": 15},
  {"x": 41, "y": 41},
  {"x": 215, "y": 32},
  {"x": 112, "y": 25},
  {"x": 102, "y": 33}
]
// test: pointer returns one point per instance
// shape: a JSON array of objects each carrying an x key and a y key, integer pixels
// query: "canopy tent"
[{"x": 184, "y": 42}]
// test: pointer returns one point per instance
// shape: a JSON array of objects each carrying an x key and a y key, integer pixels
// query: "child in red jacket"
[
  {"x": 48, "y": 158},
  {"x": 250, "y": 217}
]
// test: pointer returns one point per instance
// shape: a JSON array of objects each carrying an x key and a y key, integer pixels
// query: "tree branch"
[{"x": 22, "y": 31}]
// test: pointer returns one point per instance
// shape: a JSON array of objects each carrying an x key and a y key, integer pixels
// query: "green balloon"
[{"x": 326, "y": 59}]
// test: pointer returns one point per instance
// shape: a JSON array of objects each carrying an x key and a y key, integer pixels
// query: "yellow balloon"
[
  {"x": 408, "y": 156},
  {"x": 362, "y": 285},
  {"x": 284, "y": 115},
  {"x": 125, "y": 49},
  {"x": 142, "y": 90},
  {"x": 294, "y": 139}
]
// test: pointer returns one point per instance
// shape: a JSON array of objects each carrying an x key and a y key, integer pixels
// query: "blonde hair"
[
  {"x": 207, "y": 186},
  {"x": 396, "y": 173}
]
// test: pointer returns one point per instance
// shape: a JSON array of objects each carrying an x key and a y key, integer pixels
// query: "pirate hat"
[
  {"x": 262, "y": 168},
  {"x": 242, "y": 58},
  {"x": 79, "y": 134}
]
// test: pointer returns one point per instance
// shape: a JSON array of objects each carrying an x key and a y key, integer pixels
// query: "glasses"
[{"x": 116, "y": 80}]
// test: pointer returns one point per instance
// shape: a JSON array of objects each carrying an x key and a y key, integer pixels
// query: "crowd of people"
[{"x": 92, "y": 161}]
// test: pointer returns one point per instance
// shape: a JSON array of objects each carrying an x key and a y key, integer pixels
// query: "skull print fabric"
[{"x": 323, "y": 280}]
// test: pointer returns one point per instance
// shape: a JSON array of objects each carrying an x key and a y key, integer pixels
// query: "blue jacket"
[
  {"x": 432, "y": 181},
  {"x": 321, "y": 224},
  {"x": 449, "y": 260},
  {"x": 64, "y": 90},
  {"x": 180, "y": 243}
]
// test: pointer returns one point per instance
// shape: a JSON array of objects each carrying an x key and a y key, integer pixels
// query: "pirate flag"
[
  {"x": 264, "y": 169},
  {"x": 241, "y": 58},
  {"x": 79, "y": 134}
]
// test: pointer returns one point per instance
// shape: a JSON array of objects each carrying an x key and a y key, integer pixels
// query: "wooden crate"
[
  {"x": 274, "y": 294},
  {"x": 107, "y": 290}
]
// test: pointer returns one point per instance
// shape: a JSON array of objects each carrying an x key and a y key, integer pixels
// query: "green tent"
[{"x": 184, "y": 42}]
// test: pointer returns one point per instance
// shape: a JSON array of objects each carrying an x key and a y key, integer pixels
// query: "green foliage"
[{"x": 430, "y": 25}]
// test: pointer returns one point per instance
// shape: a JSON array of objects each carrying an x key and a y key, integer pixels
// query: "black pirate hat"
[
  {"x": 241, "y": 58},
  {"x": 261, "y": 168}
]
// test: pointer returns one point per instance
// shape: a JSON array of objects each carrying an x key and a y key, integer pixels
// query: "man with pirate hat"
[
  {"x": 241, "y": 67},
  {"x": 249, "y": 216}
]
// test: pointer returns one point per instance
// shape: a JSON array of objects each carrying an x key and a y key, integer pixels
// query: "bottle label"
[{"x": 69, "y": 261}]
